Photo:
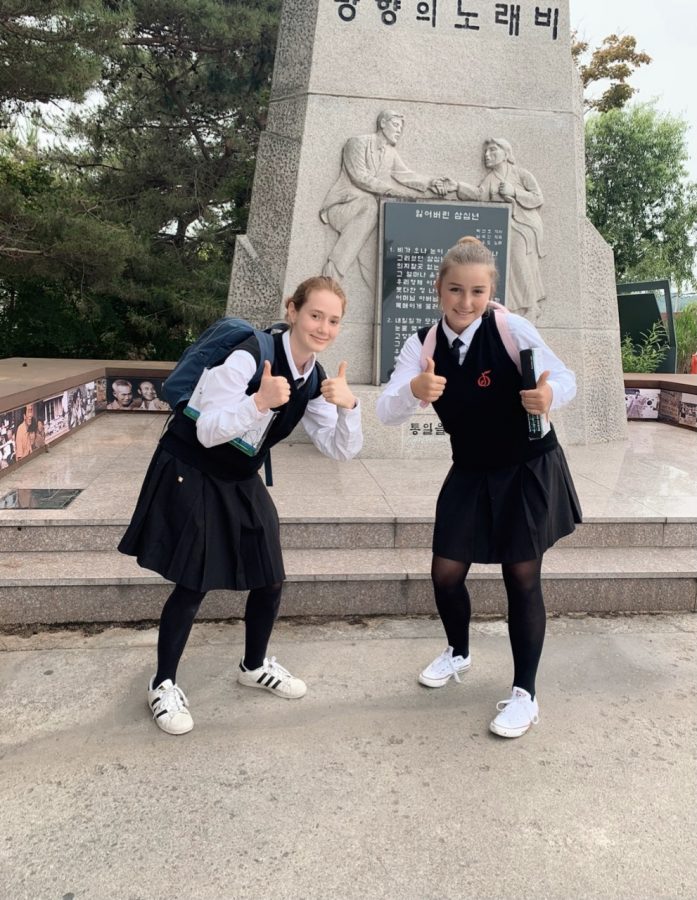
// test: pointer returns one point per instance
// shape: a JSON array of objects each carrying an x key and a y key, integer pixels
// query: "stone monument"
[{"x": 376, "y": 99}]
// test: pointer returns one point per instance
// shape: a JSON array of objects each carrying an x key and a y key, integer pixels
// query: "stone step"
[
  {"x": 106, "y": 586},
  {"x": 21, "y": 535}
]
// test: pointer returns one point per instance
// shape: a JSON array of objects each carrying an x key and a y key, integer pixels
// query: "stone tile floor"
[{"x": 653, "y": 475}]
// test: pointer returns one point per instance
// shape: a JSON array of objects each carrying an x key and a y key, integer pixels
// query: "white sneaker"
[
  {"x": 516, "y": 714},
  {"x": 169, "y": 707},
  {"x": 273, "y": 677},
  {"x": 443, "y": 668}
]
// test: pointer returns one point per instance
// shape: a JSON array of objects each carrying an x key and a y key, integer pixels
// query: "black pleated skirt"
[
  {"x": 202, "y": 532},
  {"x": 506, "y": 515}
]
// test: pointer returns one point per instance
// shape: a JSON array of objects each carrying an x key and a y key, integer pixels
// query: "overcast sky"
[{"x": 667, "y": 31}]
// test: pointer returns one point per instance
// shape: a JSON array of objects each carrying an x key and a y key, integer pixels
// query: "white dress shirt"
[
  {"x": 227, "y": 411},
  {"x": 396, "y": 403}
]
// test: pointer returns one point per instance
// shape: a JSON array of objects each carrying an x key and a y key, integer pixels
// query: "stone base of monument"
[
  {"x": 356, "y": 535},
  {"x": 420, "y": 437}
]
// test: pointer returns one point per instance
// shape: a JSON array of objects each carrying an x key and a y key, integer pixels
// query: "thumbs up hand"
[
  {"x": 274, "y": 390},
  {"x": 337, "y": 391},
  {"x": 428, "y": 386},
  {"x": 539, "y": 399}
]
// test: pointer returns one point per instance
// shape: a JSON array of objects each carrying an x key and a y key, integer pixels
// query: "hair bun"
[{"x": 469, "y": 251}]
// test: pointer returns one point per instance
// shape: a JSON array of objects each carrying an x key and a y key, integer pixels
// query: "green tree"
[
  {"x": 52, "y": 50},
  {"x": 170, "y": 152},
  {"x": 156, "y": 175},
  {"x": 638, "y": 193},
  {"x": 615, "y": 61},
  {"x": 56, "y": 261}
]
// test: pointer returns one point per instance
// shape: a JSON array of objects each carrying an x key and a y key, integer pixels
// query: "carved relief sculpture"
[
  {"x": 371, "y": 168},
  {"x": 510, "y": 183}
]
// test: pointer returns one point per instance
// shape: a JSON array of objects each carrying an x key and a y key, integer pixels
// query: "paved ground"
[
  {"x": 369, "y": 787},
  {"x": 650, "y": 476}
]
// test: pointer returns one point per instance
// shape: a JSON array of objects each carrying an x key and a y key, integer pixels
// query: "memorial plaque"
[{"x": 415, "y": 237}]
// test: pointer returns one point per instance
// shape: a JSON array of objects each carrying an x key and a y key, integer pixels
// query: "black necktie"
[
  {"x": 455, "y": 350},
  {"x": 298, "y": 383}
]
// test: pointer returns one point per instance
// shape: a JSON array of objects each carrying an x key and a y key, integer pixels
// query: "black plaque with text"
[{"x": 415, "y": 237}]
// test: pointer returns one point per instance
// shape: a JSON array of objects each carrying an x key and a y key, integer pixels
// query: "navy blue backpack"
[{"x": 213, "y": 347}]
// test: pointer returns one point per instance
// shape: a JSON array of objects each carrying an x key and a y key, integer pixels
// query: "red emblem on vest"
[{"x": 484, "y": 380}]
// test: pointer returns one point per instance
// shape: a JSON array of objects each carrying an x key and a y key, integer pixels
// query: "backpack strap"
[
  {"x": 266, "y": 352},
  {"x": 317, "y": 376},
  {"x": 268, "y": 472},
  {"x": 500, "y": 317},
  {"x": 427, "y": 336}
]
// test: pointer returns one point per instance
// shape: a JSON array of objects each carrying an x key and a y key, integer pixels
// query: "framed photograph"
[
  {"x": 129, "y": 394},
  {"x": 642, "y": 403}
]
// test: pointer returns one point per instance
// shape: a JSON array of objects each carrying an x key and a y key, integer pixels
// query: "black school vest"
[
  {"x": 225, "y": 461},
  {"x": 480, "y": 408}
]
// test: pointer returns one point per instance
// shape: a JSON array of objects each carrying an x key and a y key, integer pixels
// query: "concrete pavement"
[{"x": 369, "y": 787}]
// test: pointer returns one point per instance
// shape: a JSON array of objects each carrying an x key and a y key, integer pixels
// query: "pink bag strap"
[
  {"x": 500, "y": 314},
  {"x": 428, "y": 347}
]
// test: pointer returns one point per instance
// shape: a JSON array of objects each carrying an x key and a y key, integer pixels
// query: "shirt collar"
[
  {"x": 309, "y": 366},
  {"x": 465, "y": 336}
]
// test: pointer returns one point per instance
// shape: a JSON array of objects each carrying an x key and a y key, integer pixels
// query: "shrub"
[
  {"x": 649, "y": 354},
  {"x": 686, "y": 336}
]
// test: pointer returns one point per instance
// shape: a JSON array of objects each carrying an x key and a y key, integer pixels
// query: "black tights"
[
  {"x": 178, "y": 616},
  {"x": 526, "y": 612}
]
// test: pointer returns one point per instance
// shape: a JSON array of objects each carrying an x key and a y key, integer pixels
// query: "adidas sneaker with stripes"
[
  {"x": 271, "y": 676},
  {"x": 169, "y": 707}
]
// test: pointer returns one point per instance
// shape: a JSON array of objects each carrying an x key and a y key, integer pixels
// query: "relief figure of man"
[{"x": 371, "y": 168}]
